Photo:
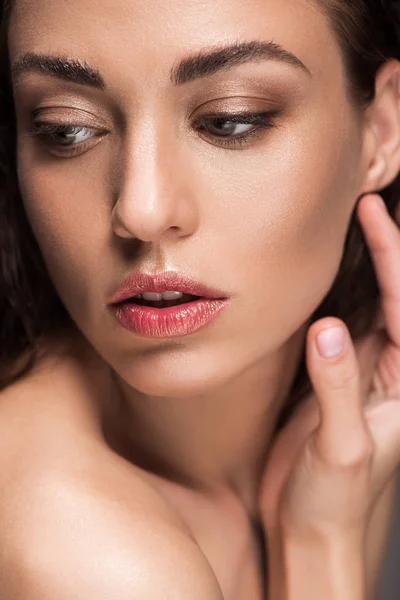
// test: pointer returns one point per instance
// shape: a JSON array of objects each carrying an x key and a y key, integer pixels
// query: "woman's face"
[{"x": 151, "y": 180}]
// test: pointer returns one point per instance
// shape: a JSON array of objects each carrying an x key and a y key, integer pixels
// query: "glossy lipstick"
[{"x": 174, "y": 321}]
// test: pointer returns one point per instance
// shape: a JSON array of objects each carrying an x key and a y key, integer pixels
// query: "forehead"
[{"x": 148, "y": 36}]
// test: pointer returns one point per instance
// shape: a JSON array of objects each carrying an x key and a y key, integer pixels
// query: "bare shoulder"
[
  {"x": 79, "y": 544},
  {"x": 77, "y": 521}
]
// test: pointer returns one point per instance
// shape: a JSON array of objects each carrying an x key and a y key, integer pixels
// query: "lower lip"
[{"x": 175, "y": 321}]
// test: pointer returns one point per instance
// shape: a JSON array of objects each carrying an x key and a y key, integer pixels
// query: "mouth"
[
  {"x": 161, "y": 302},
  {"x": 178, "y": 314},
  {"x": 163, "y": 290}
]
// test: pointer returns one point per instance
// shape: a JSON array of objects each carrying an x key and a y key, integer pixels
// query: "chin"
[{"x": 174, "y": 379}]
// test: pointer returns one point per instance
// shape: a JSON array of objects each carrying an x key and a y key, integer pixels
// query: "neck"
[{"x": 214, "y": 442}]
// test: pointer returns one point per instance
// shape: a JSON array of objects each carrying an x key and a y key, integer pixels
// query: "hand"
[{"x": 328, "y": 466}]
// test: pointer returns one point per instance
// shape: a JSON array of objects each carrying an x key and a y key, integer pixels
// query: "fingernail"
[{"x": 330, "y": 343}]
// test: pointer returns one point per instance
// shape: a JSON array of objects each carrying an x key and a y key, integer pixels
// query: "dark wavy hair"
[{"x": 368, "y": 32}]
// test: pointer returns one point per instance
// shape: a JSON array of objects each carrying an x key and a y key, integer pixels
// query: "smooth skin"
[
  {"x": 329, "y": 466},
  {"x": 331, "y": 462},
  {"x": 143, "y": 460}
]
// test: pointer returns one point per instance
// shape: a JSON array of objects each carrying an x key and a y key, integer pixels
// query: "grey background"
[{"x": 389, "y": 585}]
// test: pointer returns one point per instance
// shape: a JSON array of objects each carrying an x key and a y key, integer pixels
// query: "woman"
[{"x": 188, "y": 201}]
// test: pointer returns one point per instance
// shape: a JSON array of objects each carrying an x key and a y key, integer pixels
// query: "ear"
[{"x": 382, "y": 130}]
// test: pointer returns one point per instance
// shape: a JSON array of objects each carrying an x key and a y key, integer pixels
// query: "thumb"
[{"x": 343, "y": 437}]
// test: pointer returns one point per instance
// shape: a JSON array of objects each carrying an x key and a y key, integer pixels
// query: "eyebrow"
[
  {"x": 69, "y": 69},
  {"x": 209, "y": 62},
  {"x": 200, "y": 65}
]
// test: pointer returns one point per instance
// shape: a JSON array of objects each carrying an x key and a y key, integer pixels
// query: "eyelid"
[
  {"x": 44, "y": 131},
  {"x": 262, "y": 121},
  {"x": 240, "y": 116},
  {"x": 68, "y": 116},
  {"x": 234, "y": 99},
  {"x": 47, "y": 127}
]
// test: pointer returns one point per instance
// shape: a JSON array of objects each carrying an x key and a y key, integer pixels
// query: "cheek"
[
  {"x": 71, "y": 231},
  {"x": 288, "y": 218}
]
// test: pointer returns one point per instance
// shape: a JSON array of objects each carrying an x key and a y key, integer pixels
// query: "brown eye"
[
  {"x": 224, "y": 127},
  {"x": 230, "y": 130},
  {"x": 65, "y": 135},
  {"x": 71, "y": 136},
  {"x": 67, "y": 140}
]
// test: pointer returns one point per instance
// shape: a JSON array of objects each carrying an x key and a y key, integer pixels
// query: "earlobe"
[{"x": 383, "y": 126}]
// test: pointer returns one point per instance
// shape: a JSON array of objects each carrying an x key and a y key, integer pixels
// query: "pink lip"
[
  {"x": 174, "y": 321},
  {"x": 140, "y": 282}
]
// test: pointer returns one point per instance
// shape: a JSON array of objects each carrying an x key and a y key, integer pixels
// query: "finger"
[
  {"x": 384, "y": 420},
  {"x": 383, "y": 238},
  {"x": 369, "y": 351},
  {"x": 343, "y": 437}
]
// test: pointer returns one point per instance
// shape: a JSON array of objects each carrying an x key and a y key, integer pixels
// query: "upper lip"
[{"x": 140, "y": 282}]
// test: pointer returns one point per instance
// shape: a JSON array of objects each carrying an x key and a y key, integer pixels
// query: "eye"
[
  {"x": 70, "y": 136},
  {"x": 223, "y": 127},
  {"x": 67, "y": 140},
  {"x": 235, "y": 129}
]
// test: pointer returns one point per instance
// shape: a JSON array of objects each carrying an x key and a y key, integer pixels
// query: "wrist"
[{"x": 332, "y": 568}]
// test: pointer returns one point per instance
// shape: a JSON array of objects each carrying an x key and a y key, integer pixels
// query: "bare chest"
[{"x": 233, "y": 546}]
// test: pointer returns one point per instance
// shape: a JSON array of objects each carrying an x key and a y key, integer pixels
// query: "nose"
[{"x": 155, "y": 193}]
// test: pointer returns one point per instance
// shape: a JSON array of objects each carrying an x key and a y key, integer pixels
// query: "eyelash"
[
  {"x": 46, "y": 132},
  {"x": 262, "y": 121}
]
